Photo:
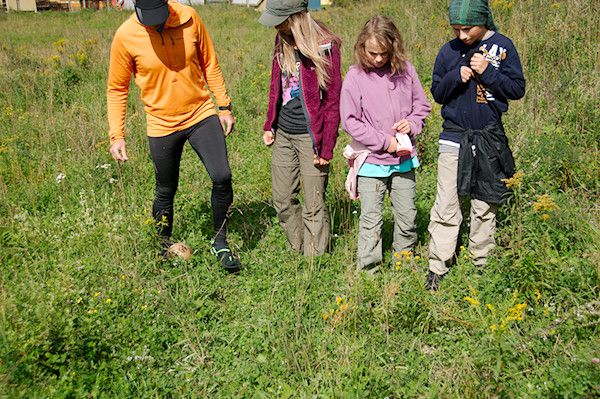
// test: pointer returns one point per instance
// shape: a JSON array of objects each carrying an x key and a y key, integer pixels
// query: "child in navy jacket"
[{"x": 474, "y": 76}]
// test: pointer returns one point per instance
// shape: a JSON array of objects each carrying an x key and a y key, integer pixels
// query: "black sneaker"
[
  {"x": 228, "y": 260},
  {"x": 433, "y": 281}
]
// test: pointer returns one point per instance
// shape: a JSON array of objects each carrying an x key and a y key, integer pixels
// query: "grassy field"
[{"x": 88, "y": 310}]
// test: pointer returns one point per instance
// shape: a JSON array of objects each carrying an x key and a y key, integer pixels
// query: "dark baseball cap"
[
  {"x": 277, "y": 11},
  {"x": 152, "y": 12}
]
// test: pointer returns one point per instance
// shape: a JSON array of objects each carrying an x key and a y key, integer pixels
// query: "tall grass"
[{"x": 87, "y": 308}]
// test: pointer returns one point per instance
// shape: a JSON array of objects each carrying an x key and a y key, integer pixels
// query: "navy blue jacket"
[{"x": 474, "y": 105}]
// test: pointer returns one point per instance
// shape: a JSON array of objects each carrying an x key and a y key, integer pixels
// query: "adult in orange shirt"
[{"x": 168, "y": 50}]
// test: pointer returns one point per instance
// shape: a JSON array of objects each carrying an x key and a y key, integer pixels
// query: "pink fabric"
[{"x": 356, "y": 154}]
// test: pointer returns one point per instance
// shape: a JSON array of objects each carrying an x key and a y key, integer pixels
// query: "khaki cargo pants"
[
  {"x": 307, "y": 226},
  {"x": 402, "y": 189},
  {"x": 446, "y": 218}
]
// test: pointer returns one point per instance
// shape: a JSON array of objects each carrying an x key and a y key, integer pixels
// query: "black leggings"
[{"x": 207, "y": 139}]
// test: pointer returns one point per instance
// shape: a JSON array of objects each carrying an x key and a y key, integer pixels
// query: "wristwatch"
[{"x": 225, "y": 107}]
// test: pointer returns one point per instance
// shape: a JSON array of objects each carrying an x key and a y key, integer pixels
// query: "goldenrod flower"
[
  {"x": 515, "y": 181},
  {"x": 544, "y": 203},
  {"x": 472, "y": 301}
]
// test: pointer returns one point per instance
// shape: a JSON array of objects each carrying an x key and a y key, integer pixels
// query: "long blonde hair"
[
  {"x": 308, "y": 34},
  {"x": 385, "y": 32}
]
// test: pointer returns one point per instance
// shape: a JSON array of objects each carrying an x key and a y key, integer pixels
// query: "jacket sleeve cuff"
[
  {"x": 488, "y": 76},
  {"x": 327, "y": 153},
  {"x": 386, "y": 142},
  {"x": 116, "y": 137}
]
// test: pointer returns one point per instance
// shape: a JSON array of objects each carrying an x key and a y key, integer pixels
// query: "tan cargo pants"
[
  {"x": 402, "y": 189},
  {"x": 307, "y": 226},
  {"x": 446, "y": 218}
]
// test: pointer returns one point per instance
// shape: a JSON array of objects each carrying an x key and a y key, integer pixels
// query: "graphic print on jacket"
[{"x": 494, "y": 56}]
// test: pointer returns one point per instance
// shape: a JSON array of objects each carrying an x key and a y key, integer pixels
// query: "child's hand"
[
  {"x": 393, "y": 146},
  {"x": 318, "y": 161},
  {"x": 268, "y": 137},
  {"x": 466, "y": 73},
  {"x": 478, "y": 63},
  {"x": 402, "y": 126}
]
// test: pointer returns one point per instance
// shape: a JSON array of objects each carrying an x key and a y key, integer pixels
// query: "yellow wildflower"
[
  {"x": 545, "y": 217},
  {"x": 517, "y": 312},
  {"x": 59, "y": 45},
  {"x": 338, "y": 300},
  {"x": 490, "y": 307},
  {"x": 108, "y": 301},
  {"x": 97, "y": 293},
  {"x": 515, "y": 181},
  {"x": 472, "y": 301},
  {"x": 538, "y": 295},
  {"x": 544, "y": 203}
]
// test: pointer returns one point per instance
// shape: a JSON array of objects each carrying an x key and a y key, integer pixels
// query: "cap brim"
[
  {"x": 153, "y": 17},
  {"x": 271, "y": 20}
]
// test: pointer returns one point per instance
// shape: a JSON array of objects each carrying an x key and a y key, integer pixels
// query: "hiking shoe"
[
  {"x": 433, "y": 281},
  {"x": 227, "y": 259}
]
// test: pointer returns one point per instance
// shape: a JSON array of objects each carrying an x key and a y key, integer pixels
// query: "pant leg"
[
  {"x": 483, "y": 225},
  {"x": 371, "y": 192},
  {"x": 285, "y": 179},
  {"x": 402, "y": 196},
  {"x": 166, "y": 156},
  {"x": 208, "y": 141},
  {"x": 315, "y": 215},
  {"x": 446, "y": 216}
]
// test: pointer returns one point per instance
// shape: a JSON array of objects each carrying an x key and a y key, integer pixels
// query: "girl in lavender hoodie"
[{"x": 381, "y": 100}]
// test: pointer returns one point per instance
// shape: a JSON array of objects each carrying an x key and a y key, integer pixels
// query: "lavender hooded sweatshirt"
[{"x": 371, "y": 102}]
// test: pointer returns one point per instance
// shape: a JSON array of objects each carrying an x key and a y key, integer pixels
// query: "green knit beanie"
[{"x": 471, "y": 13}]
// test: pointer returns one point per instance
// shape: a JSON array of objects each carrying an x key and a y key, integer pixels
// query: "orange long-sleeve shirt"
[{"x": 172, "y": 68}]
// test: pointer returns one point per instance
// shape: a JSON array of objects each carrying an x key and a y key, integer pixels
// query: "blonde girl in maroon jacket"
[{"x": 302, "y": 120}]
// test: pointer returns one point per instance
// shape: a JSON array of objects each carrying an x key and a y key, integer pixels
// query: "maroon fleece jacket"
[{"x": 322, "y": 106}]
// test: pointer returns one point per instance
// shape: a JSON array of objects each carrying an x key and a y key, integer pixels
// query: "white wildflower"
[
  {"x": 103, "y": 166},
  {"x": 112, "y": 180},
  {"x": 61, "y": 176}
]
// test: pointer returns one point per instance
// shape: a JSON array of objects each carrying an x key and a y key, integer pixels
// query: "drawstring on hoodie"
[
  {"x": 162, "y": 39},
  {"x": 159, "y": 30}
]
